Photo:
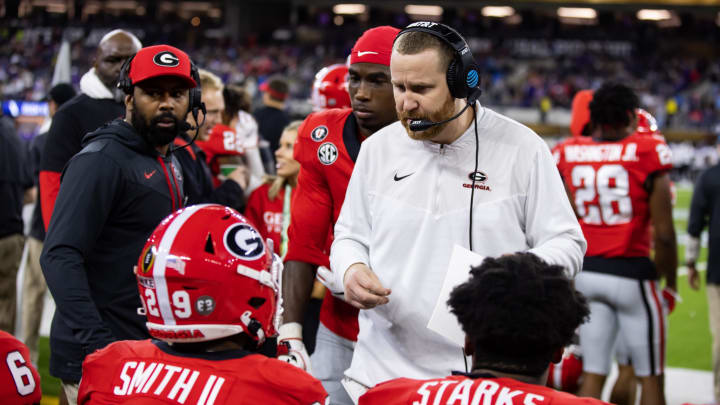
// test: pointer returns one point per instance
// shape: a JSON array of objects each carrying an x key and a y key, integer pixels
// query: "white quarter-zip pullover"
[{"x": 407, "y": 204}]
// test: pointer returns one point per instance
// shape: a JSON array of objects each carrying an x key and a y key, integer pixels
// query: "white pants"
[
  {"x": 628, "y": 307},
  {"x": 332, "y": 356}
]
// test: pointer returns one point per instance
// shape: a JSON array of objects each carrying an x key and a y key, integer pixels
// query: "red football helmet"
[
  {"x": 647, "y": 125},
  {"x": 329, "y": 89},
  {"x": 205, "y": 273}
]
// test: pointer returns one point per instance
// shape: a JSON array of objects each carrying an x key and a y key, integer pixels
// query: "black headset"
[
  {"x": 463, "y": 77},
  {"x": 195, "y": 99}
]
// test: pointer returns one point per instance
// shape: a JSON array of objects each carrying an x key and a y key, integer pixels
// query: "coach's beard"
[
  {"x": 446, "y": 111},
  {"x": 154, "y": 134}
]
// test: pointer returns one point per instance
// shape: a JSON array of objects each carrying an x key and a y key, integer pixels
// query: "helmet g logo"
[
  {"x": 166, "y": 59},
  {"x": 243, "y": 241}
]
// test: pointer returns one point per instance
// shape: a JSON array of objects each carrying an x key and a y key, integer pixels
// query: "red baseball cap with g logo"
[{"x": 161, "y": 60}]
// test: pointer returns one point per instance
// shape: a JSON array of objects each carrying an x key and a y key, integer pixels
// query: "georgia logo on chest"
[{"x": 273, "y": 221}]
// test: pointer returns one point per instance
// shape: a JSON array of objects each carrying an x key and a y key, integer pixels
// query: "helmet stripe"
[{"x": 166, "y": 243}]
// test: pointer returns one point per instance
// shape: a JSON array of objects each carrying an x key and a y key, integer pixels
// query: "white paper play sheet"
[{"x": 441, "y": 320}]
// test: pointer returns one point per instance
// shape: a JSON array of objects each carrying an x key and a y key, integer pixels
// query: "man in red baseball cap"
[
  {"x": 327, "y": 146},
  {"x": 113, "y": 193}
]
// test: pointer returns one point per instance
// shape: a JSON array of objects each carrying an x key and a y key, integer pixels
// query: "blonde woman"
[{"x": 269, "y": 205}]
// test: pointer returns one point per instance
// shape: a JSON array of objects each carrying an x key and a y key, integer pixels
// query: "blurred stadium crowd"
[{"x": 539, "y": 63}]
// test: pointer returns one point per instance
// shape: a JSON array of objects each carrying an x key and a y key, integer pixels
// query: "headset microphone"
[
  {"x": 424, "y": 125},
  {"x": 185, "y": 126}
]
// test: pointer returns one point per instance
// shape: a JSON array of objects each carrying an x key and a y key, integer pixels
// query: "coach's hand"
[{"x": 363, "y": 289}]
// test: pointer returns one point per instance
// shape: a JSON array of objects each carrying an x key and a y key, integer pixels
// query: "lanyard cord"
[{"x": 285, "y": 221}]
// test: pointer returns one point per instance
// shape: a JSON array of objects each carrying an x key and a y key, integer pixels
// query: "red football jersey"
[
  {"x": 326, "y": 145},
  {"x": 128, "y": 370},
  {"x": 607, "y": 180},
  {"x": 466, "y": 390},
  {"x": 19, "y": 381},
  {"x": 222, "y": 141},
  {"x": 266, "y": 214}
]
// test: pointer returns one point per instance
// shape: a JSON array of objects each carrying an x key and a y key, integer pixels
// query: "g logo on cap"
[{"x": 166, "y": 59}]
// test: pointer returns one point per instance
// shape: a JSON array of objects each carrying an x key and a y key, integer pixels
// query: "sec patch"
[{"x": 327, "y": 153}]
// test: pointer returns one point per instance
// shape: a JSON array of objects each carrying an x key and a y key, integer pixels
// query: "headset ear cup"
[
  {"x": 452, "y": 78},
  {"x": 124, "y": 82},
  {"x": 472, "y": 83}
]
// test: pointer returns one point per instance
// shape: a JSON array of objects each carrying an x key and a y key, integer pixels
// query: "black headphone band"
[{"x": 463, "y": 74}]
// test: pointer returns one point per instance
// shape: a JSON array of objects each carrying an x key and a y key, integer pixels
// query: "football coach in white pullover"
[{"x": 408, "y": 202}]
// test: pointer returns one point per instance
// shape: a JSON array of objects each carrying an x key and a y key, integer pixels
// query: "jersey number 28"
[{"x": 611, "y": 185}]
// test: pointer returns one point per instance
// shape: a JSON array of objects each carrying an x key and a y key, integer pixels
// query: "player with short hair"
[
  {"x": 210, "y": 290},
  {"x": 327, "y": 145},
  {"x": 518, "y": 314},
  {"x": 619, "y": 184}
]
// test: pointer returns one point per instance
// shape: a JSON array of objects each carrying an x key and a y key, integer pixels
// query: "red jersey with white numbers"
[
  {"x": 467, "y": 389},
  {"x": 222, "y": 141},
  {"x": 609, "y": 182},
  {"x": 266, "y": 214},
  {"x": 19, "y": 381},
  {"x": 326, "y": 147},
  {"x": 132, "y": 370}
]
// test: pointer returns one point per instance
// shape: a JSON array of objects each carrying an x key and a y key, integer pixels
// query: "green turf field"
[
  {"x": 689, "y": 333},
  {"x": 688, "y": 343},
  {"x": 50, "y": 384}
]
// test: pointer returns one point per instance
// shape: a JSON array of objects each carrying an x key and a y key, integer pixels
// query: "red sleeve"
[
  {"x": 311, "y": 208},
  {"x": 655, "y": 155},
  {"x": 49, "y": 182},
  {"x": 19, "y": 380}
]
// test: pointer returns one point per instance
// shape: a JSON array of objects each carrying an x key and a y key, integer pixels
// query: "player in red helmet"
[
  {"x": 330, "y": 89},
  {"x": 646, "y": 123},
  {"x": 210, "y": 290}
]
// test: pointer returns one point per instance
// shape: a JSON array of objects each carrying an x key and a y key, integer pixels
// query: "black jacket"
[
  {"x": 198, "y": 184},
  {"x": 13, "y": 179},
  {"x": 705, "y": 210},
  {"x": 113, "y": 194},
  {"x": 35, "y": 150},
  {"x": 75, "y": 119}
]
